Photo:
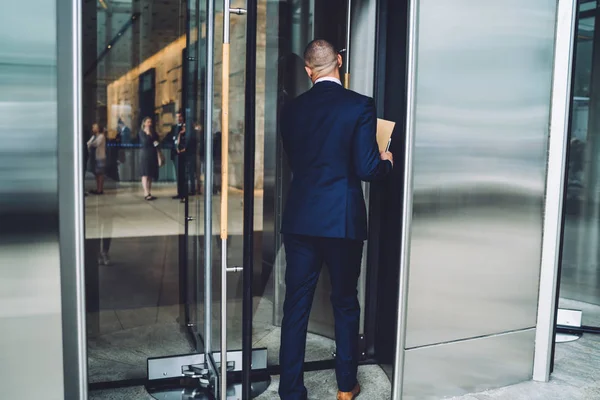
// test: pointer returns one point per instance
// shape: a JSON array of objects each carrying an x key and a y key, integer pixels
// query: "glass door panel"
[
  {"x": 193, "y": 82},
  {"x": 236, "y": 219},
  {"x": 283, "y": 30},
  {"x": 579, "y": 288},
  {"x": 131, "y": 70},
  {"x": 288, "y": 28}
]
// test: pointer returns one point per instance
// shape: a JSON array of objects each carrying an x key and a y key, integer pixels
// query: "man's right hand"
[{"x": 386, "y": 155}]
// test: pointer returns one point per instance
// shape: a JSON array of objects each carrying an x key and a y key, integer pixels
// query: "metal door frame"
[{"x": 566, "y": 17}]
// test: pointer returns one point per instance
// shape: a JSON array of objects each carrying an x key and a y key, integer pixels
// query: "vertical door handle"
[{"x": 224, "y": 187}]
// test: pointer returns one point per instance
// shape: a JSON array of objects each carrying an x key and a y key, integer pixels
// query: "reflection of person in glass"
[
  {"x": 97, "y": 145},
  {"x": 199, "y": 156},
  {"x": 149, "y": 157},
  {"x": 105, "y": 231},
  {"x": 181, "y": 147},
  {"x": 176, "y": 139},
  {"x": 123, "y": 132},
  {"x": 217, "y": 156},
  {"x": 191, "y": 152},
  {"x": 329, "y": 136}
]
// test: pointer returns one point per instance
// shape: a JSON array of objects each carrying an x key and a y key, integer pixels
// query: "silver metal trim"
[
  {"x": 212, "y": 366},
  {"x": 208, "y": 176},
  {"x": 397, "y": 383},
  {"x": 567, "y": 317},
  {"x": 226, "y": 20},
  {"x": 70, "y": 194},
  {"x": 555, "y": 180},
  {"x": 223, "y": 381},
  {"x": 348, "y": 33}
]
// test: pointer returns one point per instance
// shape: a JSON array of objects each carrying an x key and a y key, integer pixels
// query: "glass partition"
[
  {"x": 153, "y": 249},
  {"x": 580, "y": 268},
  {"x": 135, "y": 298}
]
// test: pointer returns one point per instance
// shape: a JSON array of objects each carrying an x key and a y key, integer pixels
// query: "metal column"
[{"x": 208, "y": 178}]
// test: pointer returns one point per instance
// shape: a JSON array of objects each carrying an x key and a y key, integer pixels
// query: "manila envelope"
[{"x": 384, "y": 133}]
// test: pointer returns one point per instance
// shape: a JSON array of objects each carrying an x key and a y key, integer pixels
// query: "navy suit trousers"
[{"x": 305, "y": 255}]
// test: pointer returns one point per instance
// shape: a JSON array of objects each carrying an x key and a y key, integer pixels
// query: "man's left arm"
[{"x": 368, "y": 161}]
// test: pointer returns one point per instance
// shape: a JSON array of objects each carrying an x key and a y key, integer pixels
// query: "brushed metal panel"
[
  {"x": 468, "y": 366},
  {"x": 30, "y": 289},
  {"x": 481, "y": 130}
]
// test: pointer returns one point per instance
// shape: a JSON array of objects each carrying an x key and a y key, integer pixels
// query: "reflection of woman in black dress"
[{"x": 149, "y": 157}]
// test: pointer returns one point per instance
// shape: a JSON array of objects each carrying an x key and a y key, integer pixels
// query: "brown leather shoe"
[{"x": 349, "y": 395}]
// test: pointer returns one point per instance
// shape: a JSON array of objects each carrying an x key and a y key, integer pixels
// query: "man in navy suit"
[{"x": 329, "y": 136}]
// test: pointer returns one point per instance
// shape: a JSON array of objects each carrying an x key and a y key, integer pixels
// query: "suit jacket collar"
[{"x": 326, "y": 85}]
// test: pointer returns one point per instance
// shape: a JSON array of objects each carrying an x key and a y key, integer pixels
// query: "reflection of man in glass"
[
  {"x": 175, "y": 139},
  {"x": 293, "y": 80},
  {"x": 187, "y": 149},
  {"x": 123, "y": 132},
  {"x": 329, "y": 136},
  {"x": 195, "y": 153}
]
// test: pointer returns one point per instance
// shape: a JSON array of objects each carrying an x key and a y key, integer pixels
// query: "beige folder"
[{"x": 384, "y": 133}]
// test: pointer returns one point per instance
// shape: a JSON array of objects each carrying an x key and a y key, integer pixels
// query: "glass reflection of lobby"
[
  {"x": 145, "y": 260},
  {"x": 579, "y": 281}
]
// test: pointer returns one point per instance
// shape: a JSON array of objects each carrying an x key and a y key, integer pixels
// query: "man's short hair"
[{"x": 320, "y": 56}]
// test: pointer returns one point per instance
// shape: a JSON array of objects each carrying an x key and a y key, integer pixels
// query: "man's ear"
[
  {"x": 339, "y": 60},
  {"x": 308, "y": 72}
]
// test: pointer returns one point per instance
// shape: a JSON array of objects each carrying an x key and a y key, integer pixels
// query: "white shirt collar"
[{"x": 329, "y": 79}]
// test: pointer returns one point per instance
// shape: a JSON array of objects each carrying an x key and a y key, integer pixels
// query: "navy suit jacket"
[{"x": 329, "y": 136}]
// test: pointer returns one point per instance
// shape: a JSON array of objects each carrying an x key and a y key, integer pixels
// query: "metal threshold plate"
[
  {"x": 567, "y": 317},
  {"x": 565, "y": 338},
  {"x": 234, "y": 392},
  {"x": 171, "y": 367}
]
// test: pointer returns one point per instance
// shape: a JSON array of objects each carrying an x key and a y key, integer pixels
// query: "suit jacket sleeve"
[{"x": 367, "y": 160}]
